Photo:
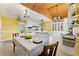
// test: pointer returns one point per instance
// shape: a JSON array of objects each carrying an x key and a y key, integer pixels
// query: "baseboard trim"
[{"x": 5, "y": 40}]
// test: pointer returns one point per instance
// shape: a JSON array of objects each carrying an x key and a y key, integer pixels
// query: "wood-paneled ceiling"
[{"x": 50, "y": 10}]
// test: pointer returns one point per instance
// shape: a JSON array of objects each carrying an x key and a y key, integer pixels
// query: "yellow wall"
[
  {"x": 78, "y": 47},
  {"x": 78, "y": 38},
  {"x": 78, "y": 42},
  {"x": 47, "y": 26},
  {"x": 9, "y": 26}
]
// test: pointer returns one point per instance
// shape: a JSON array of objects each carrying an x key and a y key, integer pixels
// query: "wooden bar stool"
[{"x": 13, "y": 36}]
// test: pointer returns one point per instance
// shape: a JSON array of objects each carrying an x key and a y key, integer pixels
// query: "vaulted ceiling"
[{"x": 50, "y": 10}]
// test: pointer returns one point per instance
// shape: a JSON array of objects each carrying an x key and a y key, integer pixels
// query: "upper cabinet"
[{"x": 73, "y": 10}]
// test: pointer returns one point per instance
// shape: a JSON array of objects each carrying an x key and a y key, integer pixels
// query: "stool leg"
[{"x": 14, "y": 46}]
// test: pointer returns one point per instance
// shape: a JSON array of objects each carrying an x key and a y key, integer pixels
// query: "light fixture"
[
  {"x": 26, "y": 14},
  {"x": 57, "y": 18}
]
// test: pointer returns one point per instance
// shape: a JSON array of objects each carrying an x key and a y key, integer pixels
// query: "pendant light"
[
  {"x": 57, "y": 18},
  {"x": 26, "y": 13}
]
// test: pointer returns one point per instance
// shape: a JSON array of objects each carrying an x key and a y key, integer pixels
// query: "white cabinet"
[
  {"x": 57, "y": 26},
  {"x": 67, "y": 49}
]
